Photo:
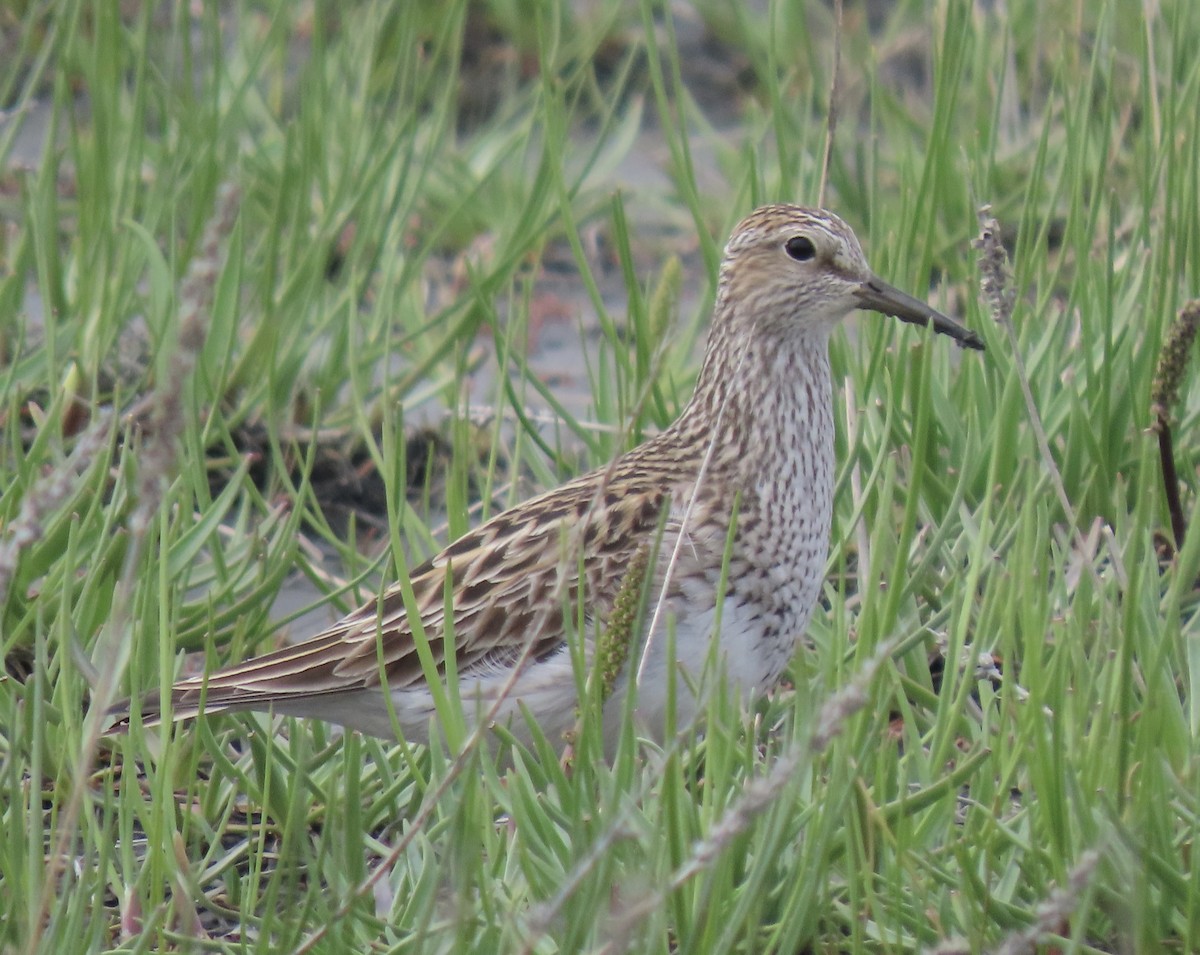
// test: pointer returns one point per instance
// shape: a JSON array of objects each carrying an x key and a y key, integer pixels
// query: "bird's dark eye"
[{"x": 800, "y": 248}]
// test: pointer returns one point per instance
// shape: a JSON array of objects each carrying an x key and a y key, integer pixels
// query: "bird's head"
[{"x": 787, "y": 268}]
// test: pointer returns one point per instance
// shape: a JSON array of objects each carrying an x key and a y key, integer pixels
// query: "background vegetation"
[{"x": 287, "y": 292}]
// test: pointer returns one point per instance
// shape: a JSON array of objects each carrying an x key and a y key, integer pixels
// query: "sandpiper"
[{"x": 753, "y": 448}]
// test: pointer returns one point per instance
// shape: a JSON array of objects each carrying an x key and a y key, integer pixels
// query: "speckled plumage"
[{"x": 758, "y": 431}]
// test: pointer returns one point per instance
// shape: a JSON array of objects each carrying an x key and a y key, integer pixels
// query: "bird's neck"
[{"x": 764, "y": 400}]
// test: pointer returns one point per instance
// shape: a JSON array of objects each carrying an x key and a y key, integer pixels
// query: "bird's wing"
[{"x": 512, "y": 580}]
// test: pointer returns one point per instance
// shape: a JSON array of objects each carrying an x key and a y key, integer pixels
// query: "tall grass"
[{"x": 411, "y": 177}]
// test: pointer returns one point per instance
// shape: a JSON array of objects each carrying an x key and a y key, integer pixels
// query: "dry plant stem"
[
  {"x": 996, "y": 289},
  {"x": 48, "y": 494},
  {"x": 1166, "y": 457},
  {"x": 1172, "y": 366},
  {"x": 1056, "y": 911},
  {"x": 164, "y": 412},
  {"x": 831, "y": 116},
  {"x": 483, "y": 415},
  {"x": 542, "y": 917}
]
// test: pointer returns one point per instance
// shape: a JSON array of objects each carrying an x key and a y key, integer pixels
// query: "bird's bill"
[{"x": 875, "y": 294}]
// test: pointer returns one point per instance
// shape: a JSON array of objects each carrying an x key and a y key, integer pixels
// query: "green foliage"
[{"x": 412, "y": 176}]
